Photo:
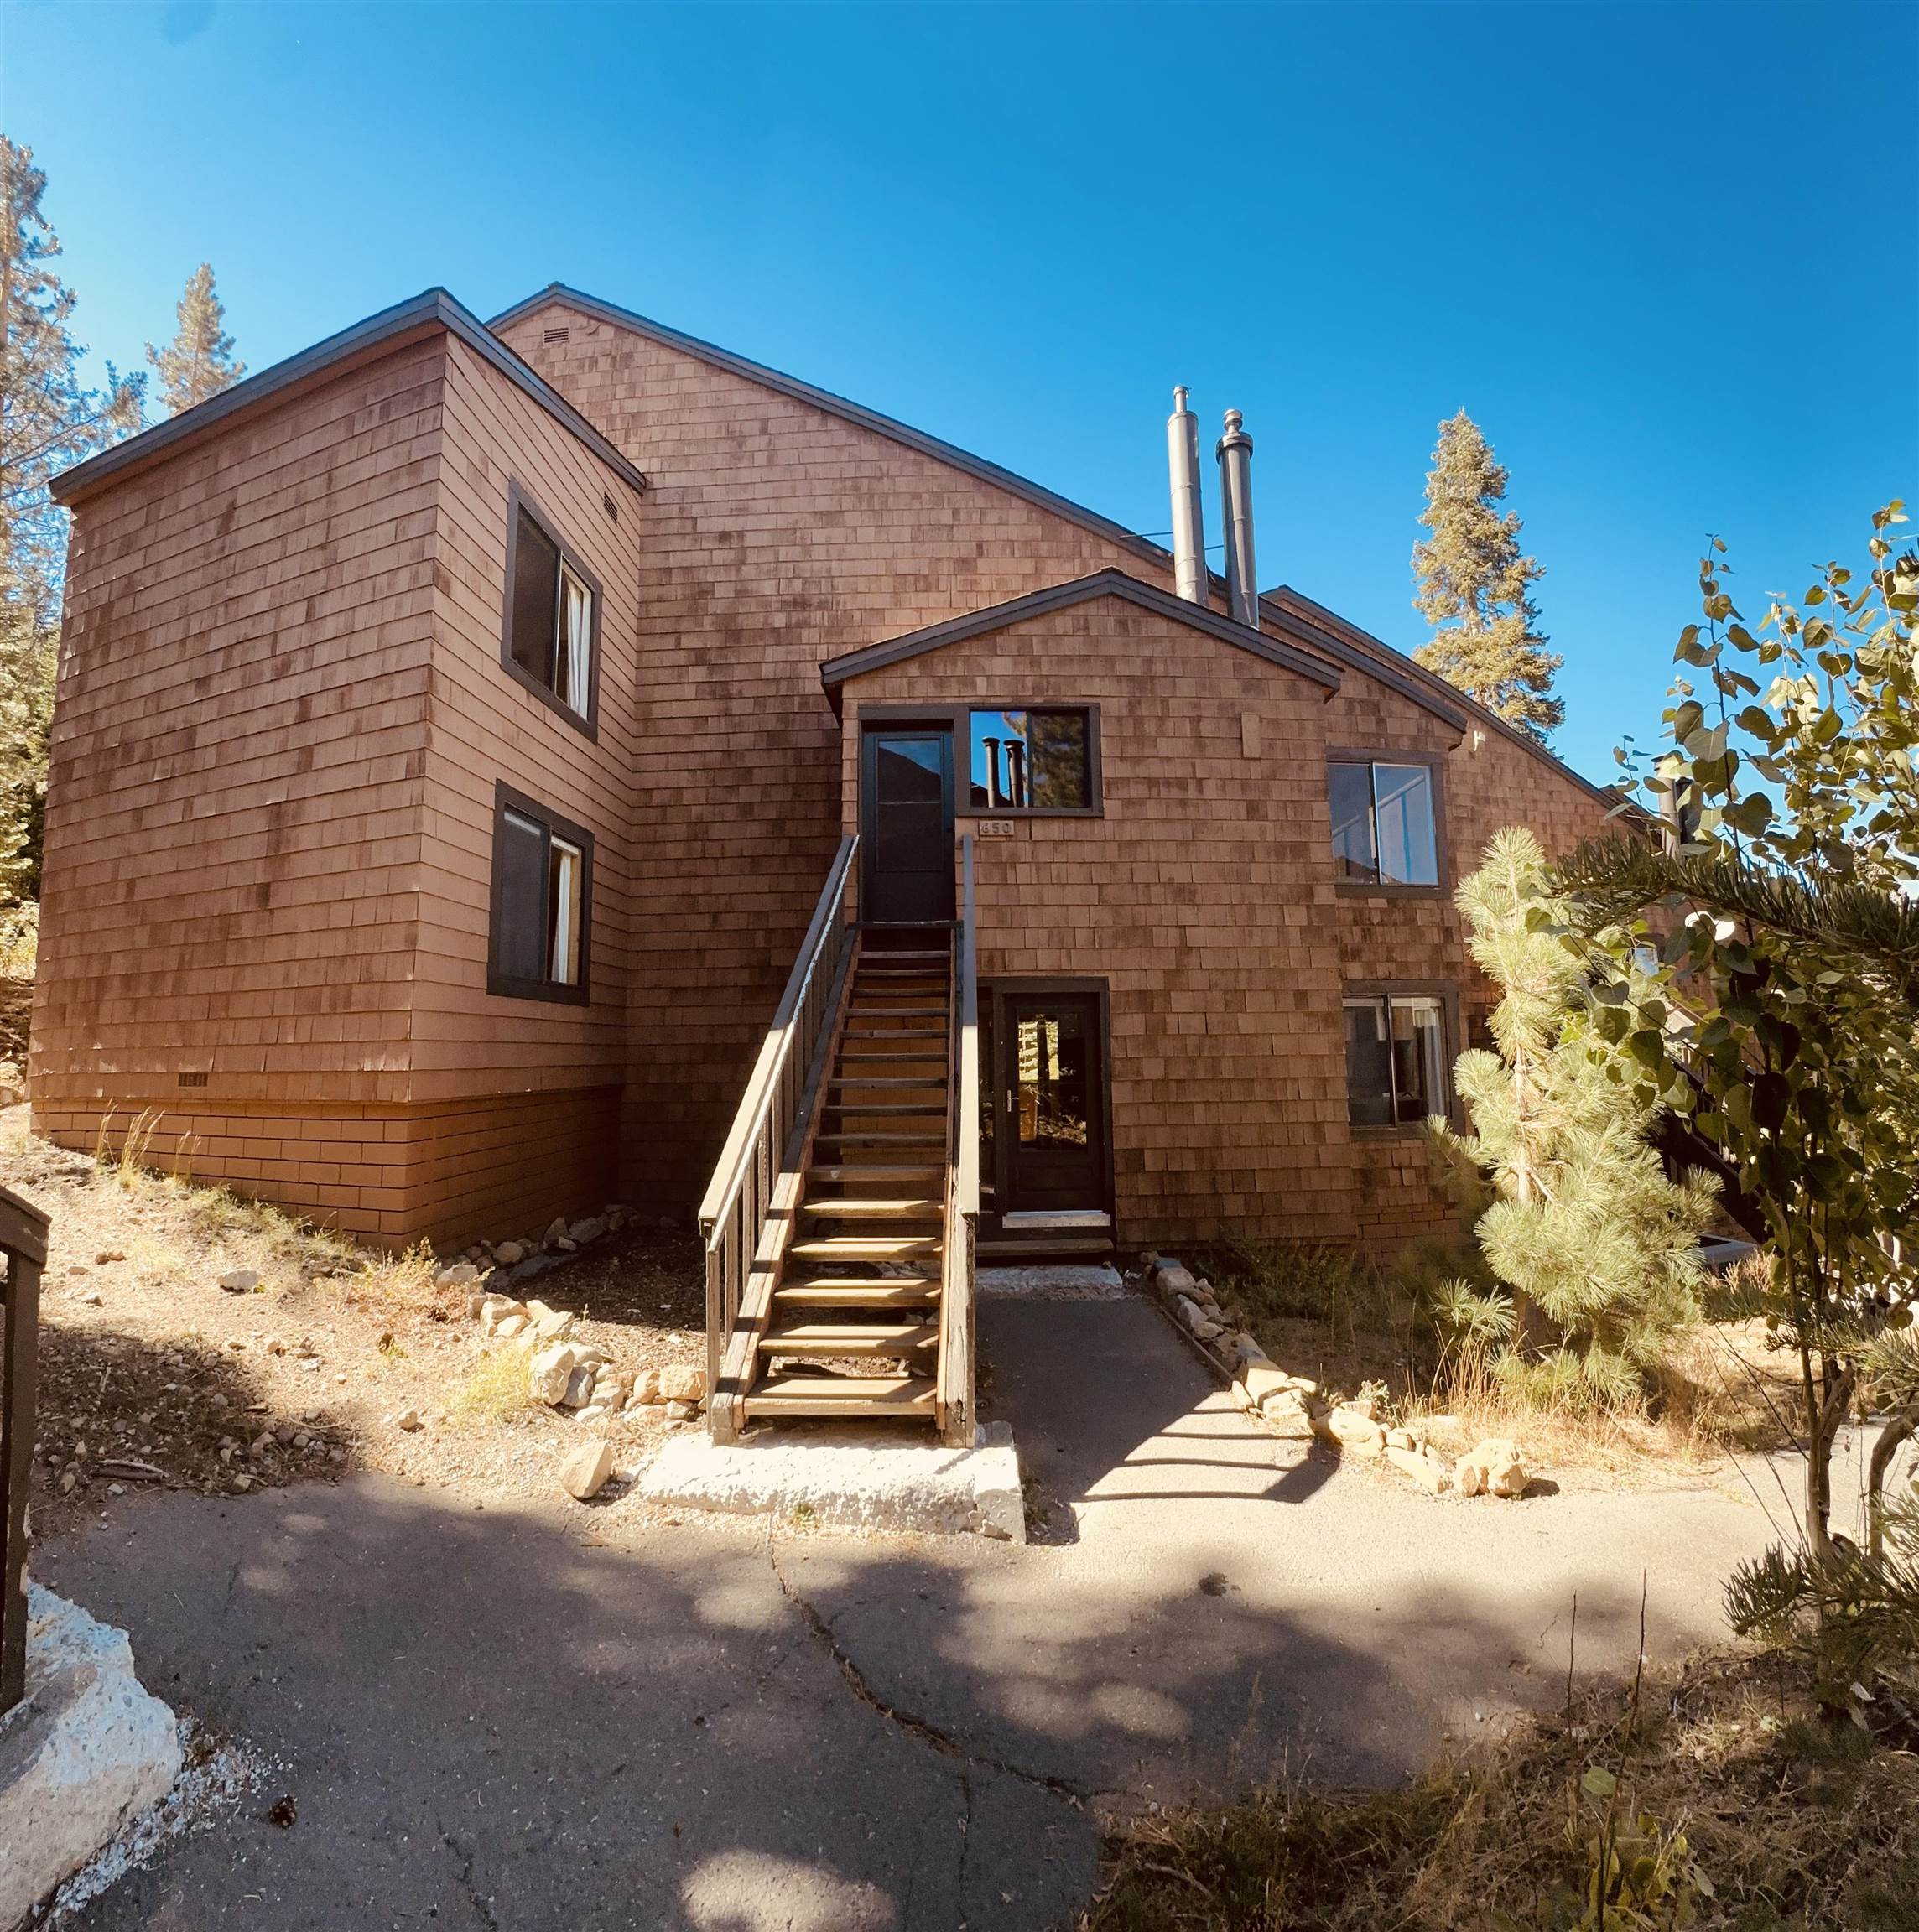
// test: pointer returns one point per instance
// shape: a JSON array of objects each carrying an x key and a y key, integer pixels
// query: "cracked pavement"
[{"x": 528, "y": 1717}]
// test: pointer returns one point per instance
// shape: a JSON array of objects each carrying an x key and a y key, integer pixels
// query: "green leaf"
[{"x": 1599, "y": 1782}]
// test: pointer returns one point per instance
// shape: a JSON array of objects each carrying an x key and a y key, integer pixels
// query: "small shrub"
[{"x": 19, "y": 939}]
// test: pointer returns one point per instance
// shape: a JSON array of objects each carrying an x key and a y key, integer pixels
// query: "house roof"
[
  {"x": 378, "y": 335},
  {"x": 1345, "y": 641},
  {"x": 836, "y": 671},
  {"x": 849, "y": 412}
]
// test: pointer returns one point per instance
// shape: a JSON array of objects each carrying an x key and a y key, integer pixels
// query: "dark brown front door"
[
  {"x": 906, "y": 826},
  {"x": 1053, "y": 1086}
]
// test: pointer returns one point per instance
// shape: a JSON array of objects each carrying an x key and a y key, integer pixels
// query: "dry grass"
[
  {"x": 1728, "y": 1802},
  {"x": 496, "y": 1390}
]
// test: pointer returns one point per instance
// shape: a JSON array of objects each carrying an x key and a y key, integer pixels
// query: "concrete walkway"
[{"x": 531, "y": 1718}]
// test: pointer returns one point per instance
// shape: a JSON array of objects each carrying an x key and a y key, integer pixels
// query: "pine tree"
[
  {"x": 49, "y": 420},
  {"x": 1475, "y": 589},
  {"x": 1599, "y": 1250},
  {"x": 199, "y": 363}
]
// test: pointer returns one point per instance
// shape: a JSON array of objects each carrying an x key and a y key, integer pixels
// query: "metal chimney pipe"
[
  {"x": 1188, "y": 517},
  {"x": 1236, "y": 454}
]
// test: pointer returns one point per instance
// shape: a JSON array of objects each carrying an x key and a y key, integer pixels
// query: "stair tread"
[
  {"x": 872, "y": 1109},
  {"x": 881, "y": 1137},
  {"x": 842, "y": 1395},
  {"x": 873, "y": 1206},
  {"x": 872, "y": 1170},
  {"x": 850, "y": 1338},
  {"x": 866, "y": 1247},
  {"x": 859, "y": 1294}
]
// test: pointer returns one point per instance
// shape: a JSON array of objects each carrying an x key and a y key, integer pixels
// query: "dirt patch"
[{"x": 152, "y": 1373}]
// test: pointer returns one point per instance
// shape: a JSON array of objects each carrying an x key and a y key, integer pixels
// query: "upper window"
[
  {"x": 542, "y": 887},
  {"x": 1033, "y": 760},
  {"x": 553, "y": 614},
  {"x": 1384, "y": 824},
  {"x": 1396, "y": 1059}
]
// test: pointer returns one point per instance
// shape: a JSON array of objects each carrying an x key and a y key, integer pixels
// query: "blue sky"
[{"x": 1663, "y": 255}]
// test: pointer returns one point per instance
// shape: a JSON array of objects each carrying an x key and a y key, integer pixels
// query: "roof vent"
[
  {"x": 609, "y": 506},
  {"x": 1235, "y": 452},
  {"x": 560, "y": 335},
  {"x": 1188, "y": 532}
]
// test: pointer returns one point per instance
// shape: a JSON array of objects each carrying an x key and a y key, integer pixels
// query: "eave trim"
[
  {"x": 391, "y": 329},
  {"x": 836, "y": 671}
]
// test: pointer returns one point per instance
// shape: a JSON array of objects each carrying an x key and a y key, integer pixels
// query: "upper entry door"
[{"x": 906, "y": 826}]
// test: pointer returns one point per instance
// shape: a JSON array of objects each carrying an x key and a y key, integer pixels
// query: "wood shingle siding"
[{"x": 283, "y": 721}]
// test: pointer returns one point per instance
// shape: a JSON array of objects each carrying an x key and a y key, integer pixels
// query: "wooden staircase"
[
  {"x": 854, "y": 1316},
  {"x": 839, "y": 1222}
]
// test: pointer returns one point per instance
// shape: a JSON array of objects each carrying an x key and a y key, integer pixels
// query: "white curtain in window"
[
  {"x": 564, "y": 967},
  {"x": 576, "y": 602}
]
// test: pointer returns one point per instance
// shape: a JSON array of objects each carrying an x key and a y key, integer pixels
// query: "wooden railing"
[
  {"x": 740, "y": 1199},
  {"x": 954, "y": 1391},
  {"x": 23, "y": 1249}
]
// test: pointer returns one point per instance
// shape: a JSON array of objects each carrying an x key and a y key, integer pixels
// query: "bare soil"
[{"x": 152, "y": 1373}]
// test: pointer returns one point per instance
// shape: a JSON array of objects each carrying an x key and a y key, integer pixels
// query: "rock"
[
  {"x": 1351, "y": 1429},
  {"x": 87, "y": 1752},
  {"x": 584, "y": 1473},
  {"x": 549, "y": 1324},
  {"x": 460, "y": 1275},
  {"x": 511, "y": 1325},
  {"x": 240, "y": 1280},
  {"x": 681, "y": 1412},
  {"x": 1494, "y": 1467},
  {"x": 1428, "y": 1472},
  {"x": 509, "y": 1254},
  {"x": 1399, "y": 1439},
  {"x": 579, "y": 1387},
  {"x": 283, "y": 1433},
  {"x": 646, "y": 1388},
  {"x": 617, "y": 1217},
  {"x": 1285, "y": 1414},
  {"x": 407, "y": 1419},
  {"x": 566, "y": 1245},
  {"x": 1207, "y": 1329},
  {"x": 107, "y": 1254},
  {"x": 1187, "y": 1313},
  {"x": 594, "y": 1413},
  {"x": 1244, "y": 1348},
  {"x": 1170, "y": 1279},
  {"x": 549, "y": 1374},
  {"x": 682, "y": 1383},
  {"x": 95, "y": 1300},
  {"x": 495, "y": 1308},
  {"x": 274, "y": 1346},
  {"x": 1261, "y": 1380},
  {"x": 556, "y": 1232},
  {"x": 589, "y": 1229}
]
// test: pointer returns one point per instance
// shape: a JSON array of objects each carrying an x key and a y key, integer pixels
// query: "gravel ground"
[{"x": 152, "y": 1375}]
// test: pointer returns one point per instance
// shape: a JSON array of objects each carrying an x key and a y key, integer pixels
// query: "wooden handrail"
[
  {"x": 955, "y": 1388},
  {"x": 734, "y": 1213}
]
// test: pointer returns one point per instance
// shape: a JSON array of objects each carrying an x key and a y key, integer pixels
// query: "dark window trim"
[
  {"x": 1447, "y": 993},
  {"x": 1435, "y": 764},
  {"x": 998, "y": 991},
  {"x": 519, "y": 498},
  {"x": 958, "y": 719},
  {"x": 506, "y": 987}
]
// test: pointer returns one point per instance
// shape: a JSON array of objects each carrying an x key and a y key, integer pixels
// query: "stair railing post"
[{"x": 24, "y": 1248}]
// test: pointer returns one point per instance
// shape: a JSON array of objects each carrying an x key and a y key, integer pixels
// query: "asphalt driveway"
[{"x": 525, "y": 1717}]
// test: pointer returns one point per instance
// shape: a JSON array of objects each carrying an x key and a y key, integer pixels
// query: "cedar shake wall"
[
  {"x": 776, "y": 537},
  {"x": 1202, "y": 897},
  {"x": 238, "y": 754},
  {"x": 281, "y": 715},
  {"x": 1486, "y": 781},
  {"x": 487, "y": 726}
]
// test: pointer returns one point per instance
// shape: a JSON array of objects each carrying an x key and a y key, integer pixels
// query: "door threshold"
[{"x": 1056, "y": 1220}]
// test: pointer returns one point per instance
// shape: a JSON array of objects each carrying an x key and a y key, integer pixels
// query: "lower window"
[
  {"x": 1396, "y": 1058},
  {"x": 543, "y": 897}
]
